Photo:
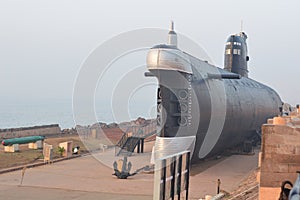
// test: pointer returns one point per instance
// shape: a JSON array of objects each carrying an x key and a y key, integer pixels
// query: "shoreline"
[{"x": 56, "y": 130}]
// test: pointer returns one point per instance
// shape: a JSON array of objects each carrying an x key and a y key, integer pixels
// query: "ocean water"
[
  {"x": 32, "y": 113},
  {"x": 24, "y": 113}
]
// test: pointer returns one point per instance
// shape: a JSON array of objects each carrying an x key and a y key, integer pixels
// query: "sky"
[{"x": 43, "y": 44}]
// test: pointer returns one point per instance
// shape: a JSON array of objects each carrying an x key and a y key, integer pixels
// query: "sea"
[{"x": 26, "y": 113}]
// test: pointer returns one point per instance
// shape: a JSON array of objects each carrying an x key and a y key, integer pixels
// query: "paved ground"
[
  {"x": 87, "y": 178},
  {"x": 38, "y": 193},
  {"x": 231, "y": 171}
]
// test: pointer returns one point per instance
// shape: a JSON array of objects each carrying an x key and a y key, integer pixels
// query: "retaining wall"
[
  {"x": 280, "y": 155},
  {"x": 44, "y": 130}
]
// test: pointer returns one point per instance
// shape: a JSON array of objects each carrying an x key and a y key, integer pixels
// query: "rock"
[
  {"x": 113, "y": 125},
  {"x": 140, "y": 121}
]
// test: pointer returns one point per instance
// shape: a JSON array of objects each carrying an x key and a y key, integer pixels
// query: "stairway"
[{"x": 134, "y": 137}]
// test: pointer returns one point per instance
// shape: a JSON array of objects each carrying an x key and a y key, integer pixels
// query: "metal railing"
[{"x": 133, "y": 135}]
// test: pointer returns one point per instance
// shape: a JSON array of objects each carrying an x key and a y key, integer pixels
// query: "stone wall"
[
  {"x": 280, "y": 154},
  {"x": 45, "y": 130}
]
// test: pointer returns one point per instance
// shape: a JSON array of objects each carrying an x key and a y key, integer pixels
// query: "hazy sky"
[{"x": 44, "y": 43}]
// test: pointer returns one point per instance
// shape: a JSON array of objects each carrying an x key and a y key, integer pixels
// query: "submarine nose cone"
[{"x": 168, "y": 56}]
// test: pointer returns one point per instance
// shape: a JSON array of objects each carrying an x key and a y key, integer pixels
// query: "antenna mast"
[
  {"x": 241, "y": 25},
  {"x": 172, "y": 37}
]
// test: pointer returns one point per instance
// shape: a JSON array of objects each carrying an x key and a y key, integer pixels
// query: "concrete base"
[
  {"x": 36, "y": 145},
  {"x": 47, "y": 152},
  {"x": 269, "y": 193},
  {"x": 12, "y": 148},
  {"x": 68, "y": 146}
]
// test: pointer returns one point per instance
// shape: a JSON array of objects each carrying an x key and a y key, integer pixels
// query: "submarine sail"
[{"x": 236, "y": 54}]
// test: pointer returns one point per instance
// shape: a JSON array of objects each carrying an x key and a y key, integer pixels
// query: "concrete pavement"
[{"x": 88, "y": 178}]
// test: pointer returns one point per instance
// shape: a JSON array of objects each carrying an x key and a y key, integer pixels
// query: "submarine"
[{"x": 219, "y": 107}]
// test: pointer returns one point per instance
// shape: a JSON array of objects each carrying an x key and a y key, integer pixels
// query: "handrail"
[
  {"x": 122, "y": 140},
  {"x": 138, "y": 131}
]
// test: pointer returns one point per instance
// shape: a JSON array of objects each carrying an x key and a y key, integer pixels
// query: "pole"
[
  {"x": 218, "y": 186},
  {"x": 142, "y": 145},
  {"x": 23, "y": 173},
  {"x": 187, "y": 166}
]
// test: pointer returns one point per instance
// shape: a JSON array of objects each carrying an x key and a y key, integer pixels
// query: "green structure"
[{"x": 22, "y": 140}]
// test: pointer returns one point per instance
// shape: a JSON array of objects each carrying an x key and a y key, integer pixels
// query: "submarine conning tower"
[{"x": 236, "y": 54}]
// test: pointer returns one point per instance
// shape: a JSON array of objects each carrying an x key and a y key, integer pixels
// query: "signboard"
[
  {"x": 47, "y": 152},
  {"x": 171, "y": 177}
]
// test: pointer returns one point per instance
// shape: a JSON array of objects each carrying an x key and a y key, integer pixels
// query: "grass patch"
[{"x": 27, "y": 156}]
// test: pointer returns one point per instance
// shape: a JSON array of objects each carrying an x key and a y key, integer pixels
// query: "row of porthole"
[
  {"x": 182, "y": 121},
  {"x": 182, "y": 94},
  {"x": 182, "y": 108}
]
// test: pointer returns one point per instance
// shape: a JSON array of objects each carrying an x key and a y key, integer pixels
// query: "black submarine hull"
[{"x": 221, "y": 109}]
